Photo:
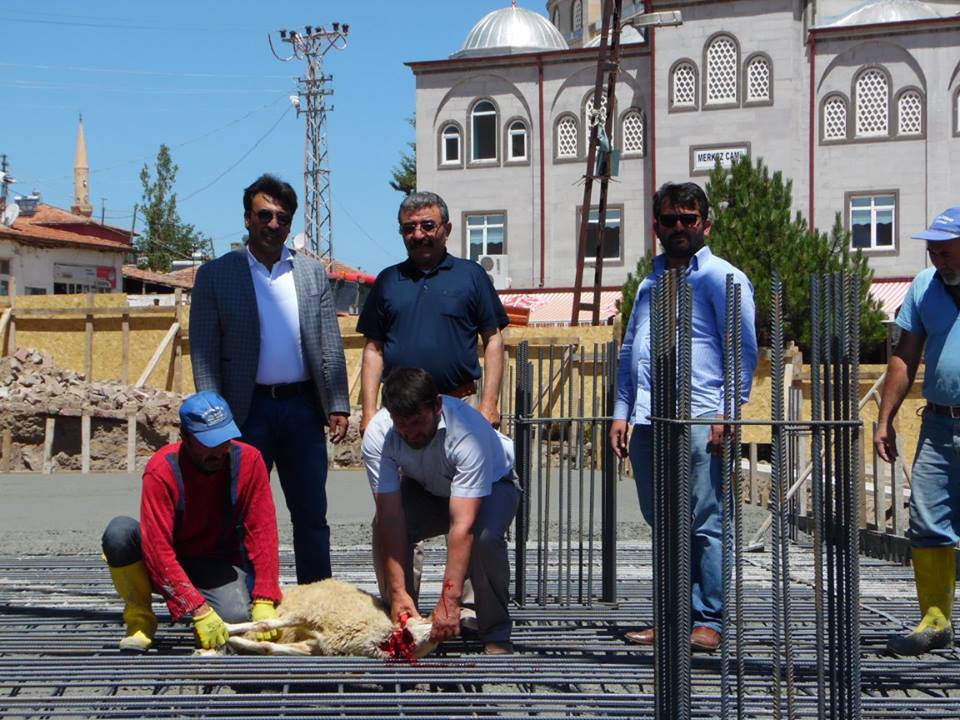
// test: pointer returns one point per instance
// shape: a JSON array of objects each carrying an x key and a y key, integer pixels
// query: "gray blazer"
[{"x": 225, "y": 333}]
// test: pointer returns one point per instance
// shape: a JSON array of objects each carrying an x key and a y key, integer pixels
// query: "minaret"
[{"x": 81, "y": 177}]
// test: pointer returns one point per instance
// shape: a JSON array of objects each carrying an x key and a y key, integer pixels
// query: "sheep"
[{"x": 332, "y": 617}]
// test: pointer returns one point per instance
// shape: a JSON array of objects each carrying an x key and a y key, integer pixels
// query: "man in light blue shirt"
[
  {"x": 436, "y": 466},
  {"x": 929, "y": 320},
  {"x": 681, "y": 221}
]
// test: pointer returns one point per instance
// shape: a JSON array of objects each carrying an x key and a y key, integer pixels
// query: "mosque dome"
[
  {"x": 629, "y": 35},
  {"x": 883, "y": 11},
  {"x": 509, "y": 31}
]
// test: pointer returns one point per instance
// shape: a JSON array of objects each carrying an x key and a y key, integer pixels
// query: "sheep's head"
[{"x": 409, "y": 641}]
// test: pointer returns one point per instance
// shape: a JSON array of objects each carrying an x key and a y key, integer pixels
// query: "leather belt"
[
  {"x": 948, "y": 410},
  {"x": 282, "y": 391},
  {"x": 464, "y": 390}
]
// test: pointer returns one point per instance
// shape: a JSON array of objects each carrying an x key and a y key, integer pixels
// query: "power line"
[
  {"x": 28, "y": 85},
  {"x": 121, "y": 71},
  {"x": 130, "y": 26},
  {"x": 241, "y": 159}
]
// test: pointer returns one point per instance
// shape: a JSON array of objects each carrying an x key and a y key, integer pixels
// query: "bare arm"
[
  {"x": 492, "y": 376},
  {"x": 901, "y": 370},
  {"x": 391, "y": 527},
  {"x": 371, "y": 370},
  {"x": 446, "y": 615}
]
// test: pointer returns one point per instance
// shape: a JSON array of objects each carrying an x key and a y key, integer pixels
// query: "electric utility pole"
[{"x": 313, "y": 89}]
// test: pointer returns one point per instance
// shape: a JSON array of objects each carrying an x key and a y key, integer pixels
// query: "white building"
[{"x": 859, "y": 105}]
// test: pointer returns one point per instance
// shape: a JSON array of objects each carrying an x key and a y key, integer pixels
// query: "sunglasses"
[
  {"x": 265, "y": 216},
  {"x": 670, "y": 219},
  {"x": 427, "y": 226}
]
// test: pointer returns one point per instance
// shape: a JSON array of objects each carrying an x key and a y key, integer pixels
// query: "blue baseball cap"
[
  {"x": 946, "y": 226},
  {"x": 207, "y": 417}
]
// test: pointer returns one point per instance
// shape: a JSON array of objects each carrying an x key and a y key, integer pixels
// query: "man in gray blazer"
[{"x": 264, "y": 334}]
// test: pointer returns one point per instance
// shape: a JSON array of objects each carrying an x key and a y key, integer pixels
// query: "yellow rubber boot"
[
  {"x": 935, "y": 571},
  {"x": 133, "y": 584}
]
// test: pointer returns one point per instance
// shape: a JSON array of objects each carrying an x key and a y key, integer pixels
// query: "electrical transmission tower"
[{"x": 311, "y": 100}]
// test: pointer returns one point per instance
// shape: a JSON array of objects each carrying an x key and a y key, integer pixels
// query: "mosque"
[{"x": 857, "y": 104}]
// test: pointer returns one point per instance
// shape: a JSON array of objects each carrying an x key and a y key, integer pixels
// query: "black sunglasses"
[
  {"x": 670, "y": 219},
  {"x": 265, "y": 216},
  {"x": 425, "y": 225}
]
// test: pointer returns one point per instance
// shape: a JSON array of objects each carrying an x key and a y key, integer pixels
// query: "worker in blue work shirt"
[{"x": 929, "y": 322}]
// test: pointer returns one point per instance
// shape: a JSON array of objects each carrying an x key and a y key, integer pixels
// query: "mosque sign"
[{"x": 704, "y": 157}]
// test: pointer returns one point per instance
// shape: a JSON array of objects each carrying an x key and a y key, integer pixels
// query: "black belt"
[
  {"x": 283, "y": 391},
  {"x": 948, "y": 410}
]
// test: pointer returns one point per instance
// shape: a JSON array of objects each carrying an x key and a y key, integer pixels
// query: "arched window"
[
  {"x": 517, "y": 141},
  {"x": 683, "y": 86},
  {"x": 722, "y": 66},
  {"x": 910, "y": 113},
  {"x": 567, "y": 131},
  {"x": 484, "y": 127},
  {"x": 872, "y": 103},
  {"x": 577, "y": 19},
  {"x": 757, "y": 82},
  {"x": 834, "y": 120},
  {"x": 450, "y": 145},
  {"x": 632, "y": 127},
  {"x": 589, "y": 118},
  {"x": 555, "y": 17}
]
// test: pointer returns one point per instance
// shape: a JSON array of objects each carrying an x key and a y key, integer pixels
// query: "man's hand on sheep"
[
  {"x": 264, "y": 610},
  {"x": 402, "y": 607},
  {"x": 210, "y": 628}
]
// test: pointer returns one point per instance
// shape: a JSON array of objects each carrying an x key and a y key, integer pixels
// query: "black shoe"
[{"x": 920, "y": 642}]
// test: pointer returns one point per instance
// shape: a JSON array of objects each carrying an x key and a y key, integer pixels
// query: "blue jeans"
[
  {"x": 706, "y": 550},
  {"x": 935, "y": 483},
  {"x": 289, "y": 432}
]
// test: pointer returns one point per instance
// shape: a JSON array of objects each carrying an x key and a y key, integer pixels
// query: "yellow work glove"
[
  {"x": 211, "y": 630},
  {"x": 264, "y": 610}
]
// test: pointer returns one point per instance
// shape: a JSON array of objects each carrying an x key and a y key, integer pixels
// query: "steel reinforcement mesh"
[{"x": 59, "y": 625}]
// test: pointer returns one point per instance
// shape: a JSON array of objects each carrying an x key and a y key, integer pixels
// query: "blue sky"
[{"x": 200, "y": 77}]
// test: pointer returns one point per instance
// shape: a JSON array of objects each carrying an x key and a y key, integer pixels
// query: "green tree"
[
  {"x": 405, "y": 174},
  {"x": 644, "y": 268},
  {"x": 753, "y": 229},
  {"x": 165, "y": 236}
]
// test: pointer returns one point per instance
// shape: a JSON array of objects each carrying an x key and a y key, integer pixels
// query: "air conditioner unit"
[{"x": 496, "y": 267}]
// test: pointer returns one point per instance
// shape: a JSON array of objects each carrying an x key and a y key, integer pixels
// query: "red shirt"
[{"x": 207, "y": 525}]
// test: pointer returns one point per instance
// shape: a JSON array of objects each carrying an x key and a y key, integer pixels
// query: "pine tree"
[
  {"x": 405, "y": 174},
  {"x": 165, "y": 237},
  {"x": 753, "y": 229}
]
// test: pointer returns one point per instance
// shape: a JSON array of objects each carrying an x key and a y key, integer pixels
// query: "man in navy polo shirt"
[
  {"x": 427, "y": 312},
  {"x": 929, "y": 320}
]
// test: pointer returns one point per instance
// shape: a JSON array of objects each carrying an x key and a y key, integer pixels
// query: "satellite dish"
[
  {"x": 299, "y": 241},
  {"x": 11, "y": 214}
]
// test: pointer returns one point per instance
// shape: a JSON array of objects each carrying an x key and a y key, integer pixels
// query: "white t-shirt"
[{"x": 464, "y": 459}]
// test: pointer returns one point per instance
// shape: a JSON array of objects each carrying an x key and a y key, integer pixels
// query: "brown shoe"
[
  {"x": 641, "y": 637},
  {"x": 704, "y": 639},
  {"x": 504, "y": 647}
]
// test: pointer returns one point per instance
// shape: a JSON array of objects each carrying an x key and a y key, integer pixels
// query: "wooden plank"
[
  {"x": 48, "y": 431},
  {"x": 861, "y": 478},
  {"x": 879, "y": 496},
  {"x": 896, "y": 492},
  {"x": 125, "y": 349},
  {"x": 85, "y": 444},
  {"x": 7, "y": 462},
  {"x": 100, "y": 311},
  {"x": 132, "y": 443},
  {"x": 12, "y": 333},
  {"x": 157, "y": 354},
  {"x": 5, "y": 318},
  {"x": 753, "y": 478},
  {"x": 88, "y": 339},
  {"x": 177, "y": 356}
]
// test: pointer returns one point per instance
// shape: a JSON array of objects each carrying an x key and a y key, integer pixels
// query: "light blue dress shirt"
[{"x": 707, "y": 275}]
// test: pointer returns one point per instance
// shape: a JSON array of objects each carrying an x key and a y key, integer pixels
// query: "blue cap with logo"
[
  {"x": 207, "y": 417},
  {"x": 946, "y": 226}
]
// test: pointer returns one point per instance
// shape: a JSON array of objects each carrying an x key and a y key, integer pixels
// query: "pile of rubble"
[{"x": 33, "y": 388}]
